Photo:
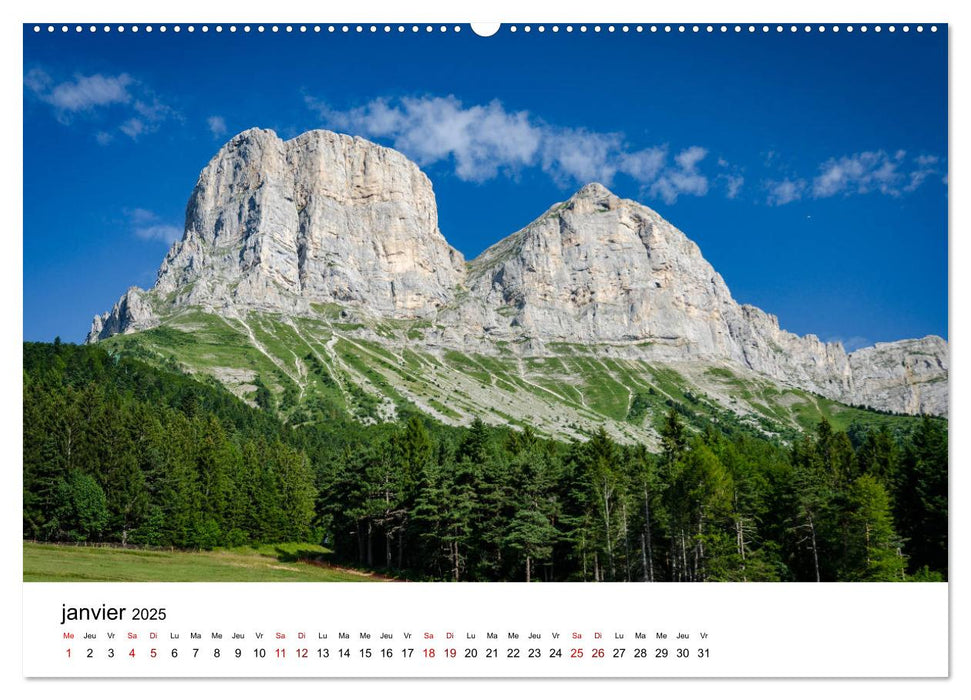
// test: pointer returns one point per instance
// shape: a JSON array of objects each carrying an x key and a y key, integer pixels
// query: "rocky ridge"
[{"x": 328, "y": 221}]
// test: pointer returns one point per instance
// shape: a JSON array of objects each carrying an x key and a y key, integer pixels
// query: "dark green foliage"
[
  {"x": 489, "y": 503},
  {"x": 874, "y": 552},
  {"x": 263, "y": 397},
  {"x": 116, "y": 450},
  {"x": 921, "y": 496},
  {"x": 81, "y": 512},
  {"x": 639, "y": 407}
]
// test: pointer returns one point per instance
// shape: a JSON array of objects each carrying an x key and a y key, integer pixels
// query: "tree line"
[{"x": 118, "y": 450}]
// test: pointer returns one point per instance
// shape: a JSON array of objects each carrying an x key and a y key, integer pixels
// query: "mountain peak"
[
  {"x": 593, "y": 190},
  {"x": 257, "y": 139},
  {"x": 324, "y": 219},
  {"x": 294, "y": 212},
  {"x": 252, "y": 134}
]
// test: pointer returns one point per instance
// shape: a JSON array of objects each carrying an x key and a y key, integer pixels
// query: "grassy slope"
[
  {"x": 369, "y": 370},
  {"x": 49, "y": 562}
]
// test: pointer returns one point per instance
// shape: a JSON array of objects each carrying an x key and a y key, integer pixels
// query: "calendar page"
[{"x": 520, "y": 350}]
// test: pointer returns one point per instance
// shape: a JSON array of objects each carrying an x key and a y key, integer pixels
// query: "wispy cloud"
[
  {"x": 925, "y": 167},
  {"x": 781, "y": 192},
  {"x": 573, "y": 156},
  {"x": 84, "y": 92},
  {"x": 852, "y": 343},
  {"x": 481, "y": 139},
  {"x": 645, "y": 164},
  {"x": 487, "y": 140},
  {"x": 730, "y": 178},
  {"x": 133, "y": 108},
  {"x": 484, "y": 141},
  {"x": 861, "y": 173},
  {"x": 217, "y": 126},
  {"x": 148, "y": 226},
  {"x": 873, "y": 171},
  {"x": 133, "y": 128},
  {"x": 682, "y": 179},
  {"x": 733, "y": 185}
]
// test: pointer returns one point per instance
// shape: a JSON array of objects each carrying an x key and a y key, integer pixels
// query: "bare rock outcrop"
[
  {"x": 328, "y": 219},
  {"x": 600, "y": 269},
  {"x": 280, "y": 225}
]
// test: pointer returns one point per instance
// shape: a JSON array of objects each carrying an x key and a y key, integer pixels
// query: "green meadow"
[{"x": 263, "y": 563}]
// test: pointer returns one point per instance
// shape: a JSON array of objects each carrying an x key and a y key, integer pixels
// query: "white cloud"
[
  {"x": 217, "y": 126},
  {"x": 689, "y": 158},
  {"x": 37, "y": 81},
  {"x": 851, "y": 344},
  {"x": 152, "y": 109},
  {"x": 731, "y": 178},
  {"x": 141, "y": 216},
  {"x": 733, "y": 185},
  {"x": 85, "y": 92},
  {"x": 133, "y": 107},
  {"x": 133, "y": 128},
  {"x": 925, "y": 166},
  {"x": 643, "y": 165},
  {"x": 486, "y": 140},
  {"x": 784, "y": 191},
  {"x": 147, "y": 226},
  {"x": 861, "y": 173},
  {"x": 581, "y": 156},
  {"x": 159, "y": 232},
  {"x": 874, "y": 171},
  {"x": 481, "y": 139},
  {"x": 683, "y": 179}
]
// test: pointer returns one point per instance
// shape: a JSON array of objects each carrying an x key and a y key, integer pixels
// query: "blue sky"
[{"x": 810, "y": 168}]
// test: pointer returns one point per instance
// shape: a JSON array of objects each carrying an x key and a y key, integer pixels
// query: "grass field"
[{"x": 282, "y": 562}]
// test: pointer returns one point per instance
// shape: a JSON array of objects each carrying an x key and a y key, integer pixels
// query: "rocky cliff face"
[
  {"x": 133, "y": 312},
  {"x": 907, "y": 376},
  {"x": 282, "y": 226},
  {"x": 598, "y": 268},
  {"x": 601, "y": 269}
]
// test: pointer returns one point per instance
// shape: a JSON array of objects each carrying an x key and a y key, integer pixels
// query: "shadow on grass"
[
  {"x": 315, "y": 557},
  {"x": 302, "y": 555}
]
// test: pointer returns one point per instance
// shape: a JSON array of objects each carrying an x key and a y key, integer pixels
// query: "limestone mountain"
[
  {"x": 279, "y": 225},
  {"x": 601, "y": 269},
  {"x": 315, "y": 267}
]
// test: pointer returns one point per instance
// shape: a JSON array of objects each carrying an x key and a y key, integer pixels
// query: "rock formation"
[
  {"x": 284, "y": 226},
  {"x": 597, "y": 268},
  {"x": 280, "y": 225}
]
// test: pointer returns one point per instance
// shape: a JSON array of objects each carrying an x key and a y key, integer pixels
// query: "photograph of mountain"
[{"x": 568, "y": 306}]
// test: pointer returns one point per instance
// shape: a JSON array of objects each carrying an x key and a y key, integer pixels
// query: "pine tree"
[
  {"x": 709, "y": 488},
  {"x": 531, "y": 535},
  {"x": 674, "y": 439},
  {"x": 602, "y": 463},
  {"x": 215, "y": 460},
  {"x": 813, "y": 499},
  {"x": 81, "y": 511},
  {"x": 530, "y": 532},
  {"x": 294, "y": 492},
  {"x": 921, "y": 501},
  {"x": 875, "y": 549},
  {"x": 647, "y": 487}
]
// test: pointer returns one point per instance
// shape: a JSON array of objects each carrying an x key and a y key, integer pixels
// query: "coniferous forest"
[{"x": 120, "y": 451}]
